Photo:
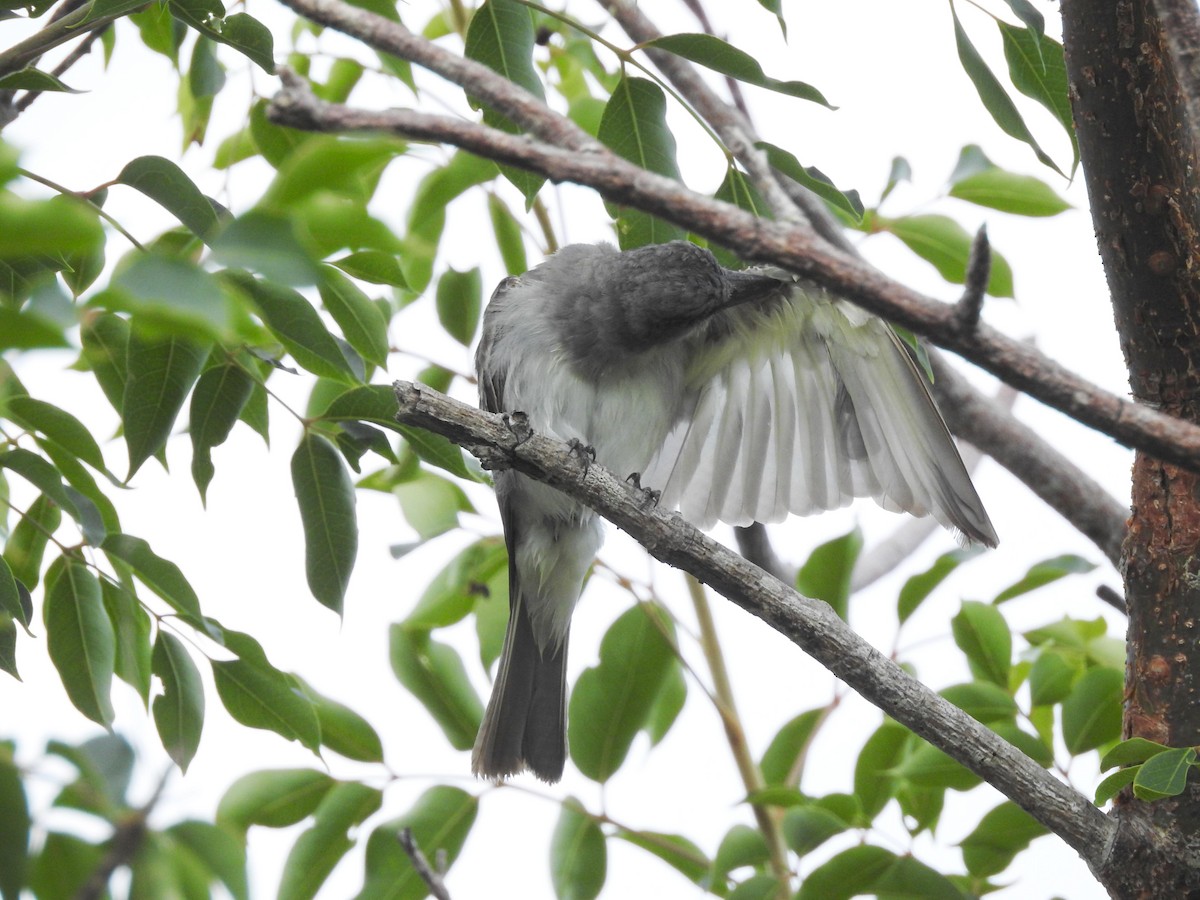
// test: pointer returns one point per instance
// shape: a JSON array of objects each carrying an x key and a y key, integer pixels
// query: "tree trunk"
[{"x": 1139, "y": 159}]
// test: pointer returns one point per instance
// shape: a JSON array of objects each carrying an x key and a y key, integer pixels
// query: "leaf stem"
[{"x": 83, "y": 198}]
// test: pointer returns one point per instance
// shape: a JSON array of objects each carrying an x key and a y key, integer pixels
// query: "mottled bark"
[{"x": 1140, "y": 157}]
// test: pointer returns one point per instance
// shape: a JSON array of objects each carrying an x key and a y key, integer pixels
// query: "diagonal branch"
[
  {"x": 791, "y": 246},
  {"x": 811, "y": 625},
  {"x": 982, "y": 421}
]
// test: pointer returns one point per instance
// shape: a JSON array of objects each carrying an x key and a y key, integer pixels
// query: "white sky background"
[{"x": 892, "y": 70}]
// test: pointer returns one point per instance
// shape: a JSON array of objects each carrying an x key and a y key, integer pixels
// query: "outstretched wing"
[{"x": 802, "y": 403}]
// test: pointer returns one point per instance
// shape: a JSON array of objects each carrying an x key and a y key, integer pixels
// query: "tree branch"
[
  {"x": 790, "y": 246},
  {"x": 811, "y": 625}
]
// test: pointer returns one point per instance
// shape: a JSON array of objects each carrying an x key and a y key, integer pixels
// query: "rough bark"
[{"x": 1140, "y": 156}]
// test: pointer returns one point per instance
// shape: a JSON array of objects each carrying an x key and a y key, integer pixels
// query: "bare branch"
[
  {"x": 1181, "y": 26},
  {"x": 789, "y": 245},
  {"x": 433, "y": 881},
  {"x": 811, "y": 625}
]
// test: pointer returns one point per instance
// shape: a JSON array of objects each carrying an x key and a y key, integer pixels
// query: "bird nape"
[{"x": 741, "y": 395}]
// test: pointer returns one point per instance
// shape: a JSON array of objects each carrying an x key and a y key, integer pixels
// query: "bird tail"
[{"x": 525, "y": 725}]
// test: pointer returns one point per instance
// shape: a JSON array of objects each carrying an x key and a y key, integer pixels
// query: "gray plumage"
[{"x": 742, "y": 396}]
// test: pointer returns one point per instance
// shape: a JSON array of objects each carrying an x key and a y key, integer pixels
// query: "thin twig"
[
  {"x": 735, "y": 734},
  {"x": 421, "y": 866}
]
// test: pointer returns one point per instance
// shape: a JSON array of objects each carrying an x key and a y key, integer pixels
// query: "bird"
[{"x": 740, "y": 395}]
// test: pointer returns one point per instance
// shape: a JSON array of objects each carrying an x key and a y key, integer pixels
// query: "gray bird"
[{"x": 742, "y": 395}]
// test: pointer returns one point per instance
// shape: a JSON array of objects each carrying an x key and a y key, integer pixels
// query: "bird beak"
[{"x": 746, "y": 287}]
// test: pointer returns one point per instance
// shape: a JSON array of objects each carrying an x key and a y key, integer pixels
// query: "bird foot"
[
  {"x": 585, "y": 453},
  {"x": 518, "y": 424},
  {"x": 650, "y": 497}
]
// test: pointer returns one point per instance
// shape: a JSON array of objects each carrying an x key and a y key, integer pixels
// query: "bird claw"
[
  {"x": 585, "y": 453},
  {"x": 518, "y": 424},
  {"x": 649, "y": 495}
]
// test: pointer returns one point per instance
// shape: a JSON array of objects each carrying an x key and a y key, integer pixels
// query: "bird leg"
[
  {"x": 585, "y": 453},
  {"x": 518, "y": 424}
]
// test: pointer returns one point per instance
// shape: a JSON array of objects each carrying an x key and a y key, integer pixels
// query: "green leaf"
[
  {"x": 80, "y": 639},
  {"x": 160, "y": 575},
  {"x": 105, "y": 339},
  {"x": 343, "y": 730},
  {"x": 10, "y": 596},
  {"x": 929, "y": 767},
  {"x": 44, "y": 476},
  {"x": 991, "y": 92},
  {"x": 982, "y": 634},
  {"x": 431, "y": 504},
  {"x": 267, "y": 243},
  {"x": 374, "y": 266},
  {"x": 440, "y": 822},
  {"x": 434, "y": 673},
  {"x": 298, "y": 326},
  {"x": 275, "y": 798},
  {"x": 160, "y": 373},
  {"x": 1052, "y": 676},
  {"x": 814, "y": 179},
  {"x": 64, "y": 865},
  {"x": 1000, "y": 835},
  {"x": 612, "y": 700},
  {"x": 501, "y": 37},
  {"x": 25, "y": 547},
  {"x": 170, "y": 296},
  {"x": 241, "y": 32},
  {"x": 217, "y": 401},
  {"x": 326, "y": 498},
  {"x": 258, "y": 695},
  {"x": 218, "y": 850},
  {"x": 826, "y": 573},
  {"x": 8, "y": 646},
  {"x": 1112, "y": 785},
  {"x": 131, "y": 624},
  {"x": 578, "y": 855},
  {"x": 59, "y": 426},
  {"x": 34, "y": 227},
  {"x": 741, "y": 846},
  {"x": 909, "y": 877},
  {"x": 31, "y": 79},
  {"x": 1046, "y": 572},
  {"x": 508, "y": 236},
  {"x": 634, "y": 126},
  {"x": 945, "y": 244},
  {"x": 984, "y": 701},
  {"x": 805, "y": 828},
  {"x": 1038, "y": 69},
  {"x": 918, "y": 587},
  {"x": 667, "y": 705},
  {"x": 15, "y": 824},
  {"x": 874, "y": 784},
  {"x": 453, "y": 592},
  {"x": 1091, "y": 715},
  {"x": 1164, "y": 774},
  {"x": 847, "y": 874},
  {"x": 1022, "y": 195},
  {"x": 179, "y": 710},
  {"x": 459, "y": 302},
  {"x": 362, "y": 324},
  {"x": 318, "y": 850},
  {"x": 348, "y": 167},
  {"x": 169, "y": 186},
  {"x": 780, "y": 761},
  {"x": 741, "y": 192},
  {"x": 714, "y": 53},
  {"x": 1133, "y": 750}
]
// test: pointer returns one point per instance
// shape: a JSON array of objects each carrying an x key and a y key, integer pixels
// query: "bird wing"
[{"x": 801, "y": 403}]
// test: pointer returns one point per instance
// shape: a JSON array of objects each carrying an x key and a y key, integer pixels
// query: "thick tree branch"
[
  {"x": 810, "y": 624},
  {"x": 790, "y": 246}
]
